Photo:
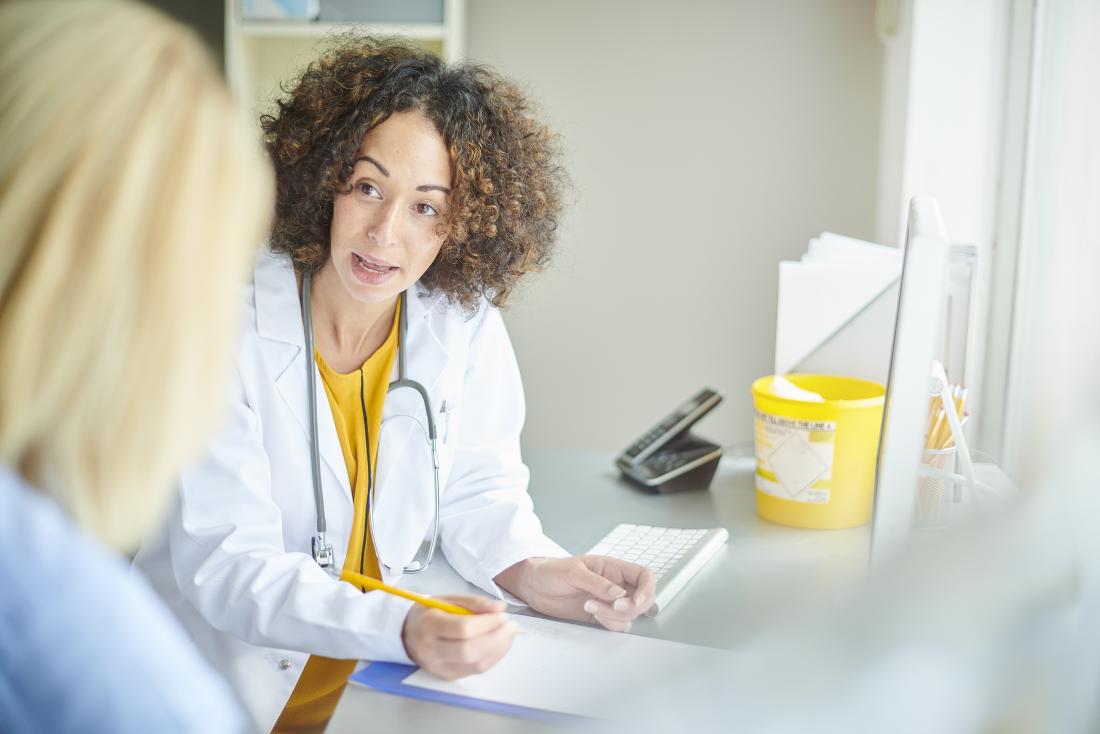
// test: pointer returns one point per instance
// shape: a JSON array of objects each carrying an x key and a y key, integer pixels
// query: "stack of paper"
[{"x": 837, "y": 307}]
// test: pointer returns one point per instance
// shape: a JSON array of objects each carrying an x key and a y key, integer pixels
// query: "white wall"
[{"x": 707, "y": 141}]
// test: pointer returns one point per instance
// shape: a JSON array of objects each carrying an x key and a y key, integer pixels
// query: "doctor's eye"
[{"x": 368, "y": 189}]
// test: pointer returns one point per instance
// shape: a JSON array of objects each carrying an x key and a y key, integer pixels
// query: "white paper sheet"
[
  {"x": 817, "y": 300},
  {"x": 823, "y": 294},
  {"x": 835, "y": 249},
  {"x": 572, "y": 669}
]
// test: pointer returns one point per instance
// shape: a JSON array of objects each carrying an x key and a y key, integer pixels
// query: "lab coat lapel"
[
  {"x": 279, "y": 324},
  {"x": 295, "y": 391}
]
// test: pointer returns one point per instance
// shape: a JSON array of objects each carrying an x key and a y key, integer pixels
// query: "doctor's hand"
[
  {"x": 598, "y": 589},
  {"x": 451, "y": 646}
]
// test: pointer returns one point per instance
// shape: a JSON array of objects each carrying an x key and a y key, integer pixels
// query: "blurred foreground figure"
[{"x": 130, "y": 196}]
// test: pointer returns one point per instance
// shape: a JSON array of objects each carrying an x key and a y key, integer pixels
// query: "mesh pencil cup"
[
  {"x": 815, "y": 461},
  {"x": 936, "y": 494}
]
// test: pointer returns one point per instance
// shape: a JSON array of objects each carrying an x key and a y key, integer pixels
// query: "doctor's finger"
[
  {"x": 645, "y": 588},
  {"x": 633, "y": 575},
  {"x": 615, "y": 625},
  {"x": 478, "y": 653},
  {"x": 640, "y": 582},
  {"x": 624, "y": 612},
  {"x": 581, "y": 577},
  {"x": 461, "y": 626}
]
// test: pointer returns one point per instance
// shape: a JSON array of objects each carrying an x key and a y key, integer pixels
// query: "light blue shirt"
[{"x": 84, "y": 645}]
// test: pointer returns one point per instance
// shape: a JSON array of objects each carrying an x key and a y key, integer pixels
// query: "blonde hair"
[{"x": 132, "y": 198}]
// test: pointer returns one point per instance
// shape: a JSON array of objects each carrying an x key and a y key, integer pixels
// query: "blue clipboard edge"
[{"x": 390, "y": 678}]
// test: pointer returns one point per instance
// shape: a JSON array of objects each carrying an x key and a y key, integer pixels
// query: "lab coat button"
[{"x": 284, "y": 664}]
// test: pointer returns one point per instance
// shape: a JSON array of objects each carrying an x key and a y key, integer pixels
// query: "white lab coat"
[{"x": 234, "y": 561}]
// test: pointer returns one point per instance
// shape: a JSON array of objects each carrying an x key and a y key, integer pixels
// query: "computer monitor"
[{"x": 917, "y": 331}]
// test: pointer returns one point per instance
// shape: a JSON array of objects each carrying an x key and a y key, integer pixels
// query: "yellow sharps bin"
[{"x": 815, "y": 461}]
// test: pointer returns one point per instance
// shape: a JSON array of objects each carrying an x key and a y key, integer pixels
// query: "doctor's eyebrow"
[
  {"x": 377, "y": 165},
  {"x": 384, "y": 172}
]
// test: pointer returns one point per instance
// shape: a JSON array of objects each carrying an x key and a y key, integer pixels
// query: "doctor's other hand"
[
  {"x": 452, "y": 646},
  {"x": 586, "y": 588}
]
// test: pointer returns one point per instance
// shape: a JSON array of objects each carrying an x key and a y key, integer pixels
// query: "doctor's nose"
[{"x": 384, "y": 229}]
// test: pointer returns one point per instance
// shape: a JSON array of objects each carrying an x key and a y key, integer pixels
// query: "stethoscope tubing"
[{"x": 322, "y": 550}]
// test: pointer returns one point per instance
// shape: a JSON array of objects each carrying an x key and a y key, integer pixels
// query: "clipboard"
[{"x": 390, "y": 678}]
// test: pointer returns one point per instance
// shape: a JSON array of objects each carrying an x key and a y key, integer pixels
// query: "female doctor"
[{"x": 411, "y": 197}]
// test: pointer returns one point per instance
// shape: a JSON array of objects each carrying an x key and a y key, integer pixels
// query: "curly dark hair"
[{"x": 502, "y": 212}]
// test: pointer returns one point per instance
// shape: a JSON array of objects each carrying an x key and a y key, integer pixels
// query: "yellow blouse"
[{"x": 323, "y": 680}]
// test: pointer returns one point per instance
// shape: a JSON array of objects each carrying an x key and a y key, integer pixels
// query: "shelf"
[
  {"x": 262, "y": 55},
  {"x": 310, "y": 29}
]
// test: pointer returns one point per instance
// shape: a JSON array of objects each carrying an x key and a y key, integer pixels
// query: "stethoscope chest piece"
[{"x": 322, "y": 551}]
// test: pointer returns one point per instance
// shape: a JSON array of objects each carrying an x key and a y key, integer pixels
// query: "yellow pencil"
[
  {"x": 357, "y": 578},
  {"x": 933, "y": 441},
  {"x": 933, "y": 407}
]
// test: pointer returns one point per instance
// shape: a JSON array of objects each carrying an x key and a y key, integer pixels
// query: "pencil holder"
[{"x": 936, "y": 490}]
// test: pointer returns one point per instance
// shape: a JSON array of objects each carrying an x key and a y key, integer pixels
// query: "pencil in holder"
[{"x": 936, "y": 489}]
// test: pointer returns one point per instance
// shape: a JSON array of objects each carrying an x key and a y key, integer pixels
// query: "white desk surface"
[{"x": 580, "y": 498}]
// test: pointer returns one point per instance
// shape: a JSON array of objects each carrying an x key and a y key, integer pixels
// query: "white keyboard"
[{"x": 674, "y": 555}]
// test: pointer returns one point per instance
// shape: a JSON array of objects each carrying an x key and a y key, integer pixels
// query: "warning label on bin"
[{"x": 794, "y": 458}]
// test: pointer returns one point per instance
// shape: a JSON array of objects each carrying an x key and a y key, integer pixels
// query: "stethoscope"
[{"x": 322, "y": 549}]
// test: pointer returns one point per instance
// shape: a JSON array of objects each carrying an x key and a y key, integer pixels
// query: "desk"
[{"x": 580, "y": 498}]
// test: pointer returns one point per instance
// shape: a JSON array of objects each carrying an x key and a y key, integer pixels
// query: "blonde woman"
[{"x": 129, "y": 191}]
